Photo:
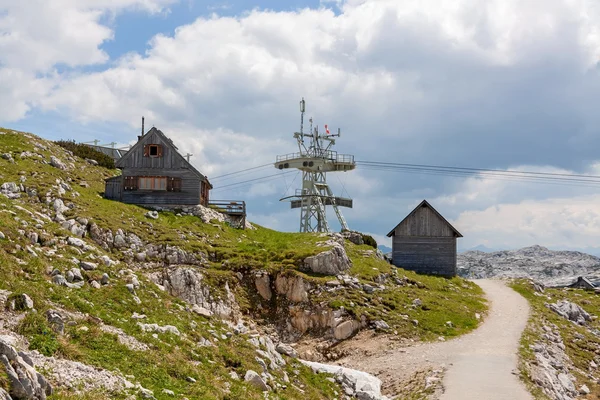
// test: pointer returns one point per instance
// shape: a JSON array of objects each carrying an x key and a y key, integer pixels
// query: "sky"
[{"x": 499, "y": 84}]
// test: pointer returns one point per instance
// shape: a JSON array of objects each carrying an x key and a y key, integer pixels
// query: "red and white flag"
[{"x": 326, "y": 129}]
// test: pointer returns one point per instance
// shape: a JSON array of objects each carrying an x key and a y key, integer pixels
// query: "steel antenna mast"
[{"x": 315, "y": 159}]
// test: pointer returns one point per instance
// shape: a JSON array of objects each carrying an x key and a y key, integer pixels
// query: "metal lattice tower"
[{"x": 315, "y": 159}]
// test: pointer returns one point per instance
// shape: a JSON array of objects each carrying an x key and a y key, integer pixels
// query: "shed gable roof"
[
  {"x": 424, "y": 203},
  {"x": 167, "y": 141}
]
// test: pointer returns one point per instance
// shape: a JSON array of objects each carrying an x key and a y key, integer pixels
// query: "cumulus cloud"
[
  {"x": 37, "y": 37},
  {"x": 495, "y": 84}
]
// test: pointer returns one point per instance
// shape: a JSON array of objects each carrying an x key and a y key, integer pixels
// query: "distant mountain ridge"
[{"x": 537, "y": 262}]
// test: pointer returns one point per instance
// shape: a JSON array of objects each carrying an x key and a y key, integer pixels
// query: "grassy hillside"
[{"x": 36, "y": 243}]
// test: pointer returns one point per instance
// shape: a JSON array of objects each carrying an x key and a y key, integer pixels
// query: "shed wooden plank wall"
[
  {"x": 190, "y": 188},
  {"x": 425, "y": 254},
  {"x": 424, "y": 222},
  {"x": 170, "y": 158},
  {"x": 113, "y": 188}
]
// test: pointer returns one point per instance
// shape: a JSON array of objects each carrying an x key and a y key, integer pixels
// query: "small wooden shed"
[
  {"x": 583, "y": 283},
  {"x": 425, "y": 242},
  {"x": 154, "y": 173}
]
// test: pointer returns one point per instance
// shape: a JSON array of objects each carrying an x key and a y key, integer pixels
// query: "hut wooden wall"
[
  {"x": 425, "y": 254},
  {"x": 424, "y": 222},
  {"x": 170, "y": 158},
  {"x": 190, "y": 188}
]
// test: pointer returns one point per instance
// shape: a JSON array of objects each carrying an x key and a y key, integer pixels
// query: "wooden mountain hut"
[
  {"x": 425, "y": 242},
  {"x": 154, "y": 173}
]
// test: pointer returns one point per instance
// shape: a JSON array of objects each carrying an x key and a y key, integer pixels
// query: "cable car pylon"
[{"x": 315, "y": 159}]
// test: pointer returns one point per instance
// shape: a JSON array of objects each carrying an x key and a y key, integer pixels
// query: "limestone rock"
[
  {"x": 346, "y": 329},
  {"x": 159, "y": 329},
  {"x": 571, "y": 311},
  {"x": 201, "y": 311},
  {"x": 356, "y": 383},
  {"x": 88, "y": 266},
  {"x": 381, "y": 325},
  {"x": 263, "y": 285},
  {"x": 4, "y": 395},
  {"x": 60, "y": 280},
  {"x": 56, "y": 321},
  {"x": 330, "y": 262},
  {"x": 287, "y": 350},
  {"x": 57, "y": 163},
  {"x": 25, "y": 382},
  {"x": 254, "y": 378},
  {"x": 76, "y": 272},
  {"x": 293, "y": 287},
  {"x": 187, "y": 284},
  {"x": 152, "y": 214},
  {"x": 21, "y": 302},
  {"x": 354, "y": 237}
]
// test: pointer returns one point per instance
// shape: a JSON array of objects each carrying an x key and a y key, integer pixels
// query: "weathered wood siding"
[
  {"x": 170, "y": 158},
  {"x": 425, "y": 254},
  {"x": 424, "y": 222},
  {"x": 190, "y": 188},
  {"x": 113, "y": 188}
]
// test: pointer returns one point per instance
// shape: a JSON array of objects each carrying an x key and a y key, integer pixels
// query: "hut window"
[
  {"x": 130, "y": 183},
  {"x": 174, "y": 184},
  {"x": 152, "y": 150},
  {"x": 152, "y": 183}
]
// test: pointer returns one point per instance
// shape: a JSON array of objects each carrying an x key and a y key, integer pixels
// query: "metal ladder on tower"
[
  {"x": 321, "y": 208},
  {"x": 337, "y": 210}
]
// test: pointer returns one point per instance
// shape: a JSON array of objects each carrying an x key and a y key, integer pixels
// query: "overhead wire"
[
  {"x": 249, "y": 182},
  {"x": 241, "y": 171},
  {"x": 463, "y": 172}
]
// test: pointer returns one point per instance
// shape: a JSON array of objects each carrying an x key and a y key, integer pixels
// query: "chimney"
[{"x": 142, "y": 126}]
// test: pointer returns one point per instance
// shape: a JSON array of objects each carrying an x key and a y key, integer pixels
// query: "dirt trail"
[{"x": 480, "y": 365}]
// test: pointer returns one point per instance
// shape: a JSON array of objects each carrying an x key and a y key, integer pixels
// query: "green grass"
[
  {"x": 580, "y": 351},
  {"x": 456, "y": 300},
  {"x": 4, "y": 382}
]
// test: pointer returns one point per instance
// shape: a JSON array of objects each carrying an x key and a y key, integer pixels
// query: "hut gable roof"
[
  {"x": 424, "y": 203},
  {"x": 167, "y": 141}
]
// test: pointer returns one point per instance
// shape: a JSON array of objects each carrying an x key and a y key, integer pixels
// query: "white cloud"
[
  {"x": 465, "y": 82},
  {"x": 38, "y": 36},
  {"x": 560, "y": 223}
]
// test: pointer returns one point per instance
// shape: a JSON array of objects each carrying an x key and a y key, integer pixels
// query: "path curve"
[{"x": 480, "y": 365}]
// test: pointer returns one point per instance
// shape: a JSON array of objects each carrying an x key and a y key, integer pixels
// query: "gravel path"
[{"x": 480, "y": 365}]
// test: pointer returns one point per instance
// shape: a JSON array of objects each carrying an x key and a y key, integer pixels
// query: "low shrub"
[
  {"x": 369, "y": 240},
  {"x": 85, "y": 152}
]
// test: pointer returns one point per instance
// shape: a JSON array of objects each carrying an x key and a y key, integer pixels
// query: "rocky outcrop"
[
  {"x": 255, "y": 379},
  {"x": 570, "y": 311},
  {"x": 358, "y": 384},
  {"x": 262, "y": 282},
  {"x": 187, "y": 284},
  {"x": 551, "y": 369},
  {"x": 25, "y": 382},
  {"x": 294, "y": 288},
  {"x": 346, "y": 329},
  {"x": 330, "y": 262}
]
